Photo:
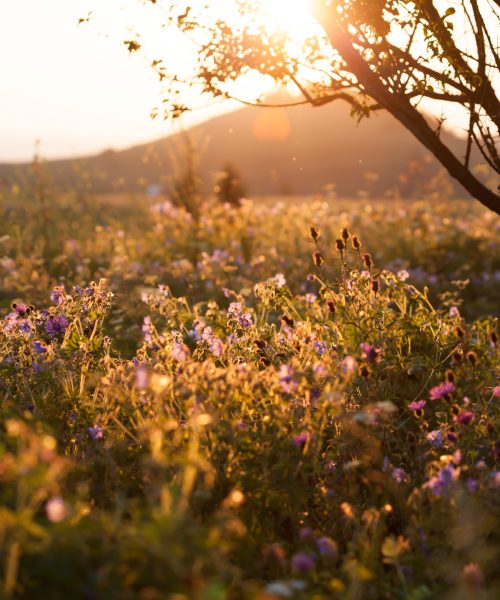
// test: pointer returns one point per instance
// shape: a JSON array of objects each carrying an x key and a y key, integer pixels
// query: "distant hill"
[{"x": 297, "y": 150}]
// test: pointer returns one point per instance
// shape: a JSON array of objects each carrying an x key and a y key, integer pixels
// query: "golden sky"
[{"x": 77, "y": 90}]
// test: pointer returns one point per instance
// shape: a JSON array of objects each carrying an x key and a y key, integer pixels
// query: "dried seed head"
[
  {"x": 457, "y": 356},
  {"x": 455, "y": 409},
  {"x": 450, "y": 376},
  {"x": 288, "y": 320},
  {"x": 260, "y": 344},
  {"x": 375, "y": 285},
  {"x": 367, "y": 258},
  {"x": 494, "y": 338},
  {"x": 472, "y": 358},
  {"x": 331, "y": 307},
  {"x": 460, "y": 333},
  {"x": 314, "y": 232},
  {"x": 318, "y": 259},
  {"x": 340, "y": 245},
  {"x": 364, "y": 371},
  {"x": 345, "y": 234},
  {"x": 355, "y": 242}
]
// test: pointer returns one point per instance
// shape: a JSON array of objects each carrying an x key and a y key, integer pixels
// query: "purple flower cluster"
[
  {"x": 370, "y": 352},
  {"x": 214, "y": 343},
  {"x": 57, "y": 295},
  {"x": 56, "y": 325},
  {"x": 286, "y": 379},
  {"x": 440, "y": 482},
  {"x": 302, "y": 563},
  {"x": 417, "y": 406},
  {"x": 443, "y": 390},
  {"x": 95, "y": 432},
  {"x": 320, "y": 346},
  {"x": 179, "y": 351},
  {"x": 147, "y": 330},
  {"x": 302, "y": 438}
]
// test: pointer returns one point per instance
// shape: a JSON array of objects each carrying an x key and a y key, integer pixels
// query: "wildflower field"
[{"x": 264, "y": 401}]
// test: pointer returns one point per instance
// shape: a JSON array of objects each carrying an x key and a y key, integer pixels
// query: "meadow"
[{"x": 268, "y": 400}]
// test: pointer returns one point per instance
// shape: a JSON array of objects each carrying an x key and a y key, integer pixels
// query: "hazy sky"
[
  {"x": 77, "y": 91},
  {"x": 65, "y": 85}
]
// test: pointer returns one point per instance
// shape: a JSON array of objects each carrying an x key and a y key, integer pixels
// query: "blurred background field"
[{"x": 49, "y": 238}]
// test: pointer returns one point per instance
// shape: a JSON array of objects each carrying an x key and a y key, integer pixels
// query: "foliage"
[{"x": 297, "y": 420}]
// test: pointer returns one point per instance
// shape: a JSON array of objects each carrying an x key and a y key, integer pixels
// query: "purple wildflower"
[
  {"x": 417, "y": 406},
  {"x": 234, "y": 309},
  {"x": 279, "y": 280},
  {"x": 214, "y": 343},
  {"x": 442, "y": 390},
  {"x": 39, "y": 347},
  {"x": 398, "y": 474},
  {"x": 348, "y": 365},
  {"x": 246, "y": 320},
  {"x": 57, "y": 295},
  {"x": 370, "y": 353},
  {"x": 194, "y": 334},
  {"x": 302, "y": 438},
  {"x": 24, "y": 326},
  {"x": 179, "y": 352},
  {"x": 231, "y": 339},
  {"x": 302, "y": 563},
  {"x": 95, "y": 432},
  {"x": 208, "y": 334},
  {"x": 435, "y": 438},
  {"x": 464, "y": 417},
  {"x": 472, "y": 485},
  {"x": 311, "y": 298},
  {"x": 442, "y": 480},
  {"x": 286, "y": 379},
  {"x": 320, "y": 369},
  {"x": 21, "y": 309},
  {"x": 147, "y": 329},
  {"x": 306, "y": 534},
  {"x": 216, "y": 346},
  {"x": 56, "y": 325},
  {"x": 320, "y": 347},
  {"x": 496, "y": 391},
  {"x": 326, "y": 546},
  {"x": 141, "y": 378}
]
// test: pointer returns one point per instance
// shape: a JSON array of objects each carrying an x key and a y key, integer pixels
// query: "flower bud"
[{"x": 318, "y": 259}]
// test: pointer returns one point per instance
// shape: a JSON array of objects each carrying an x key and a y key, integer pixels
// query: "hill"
[{"x": 297, "y": 150}]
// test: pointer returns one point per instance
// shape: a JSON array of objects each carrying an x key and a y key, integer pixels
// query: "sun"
[
  {"x": 286, "y": 15},
  {"x": 291, "y": 13}
]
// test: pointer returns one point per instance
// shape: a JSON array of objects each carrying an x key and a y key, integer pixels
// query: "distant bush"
[{"x": 228, "y": 186}]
